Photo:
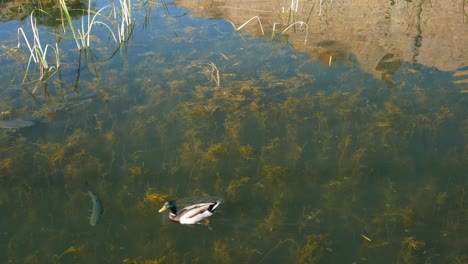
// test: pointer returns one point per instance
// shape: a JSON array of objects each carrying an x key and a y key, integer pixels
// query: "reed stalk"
[
  {"x": 320, "y": 6},
  {"x": 300, "y": 23},
  {"x": 64, "y": 9},
  {"x": 38, "y": 52},
  {"x": 82, "y": 37},
  {"x": 125, "y": 26},
  {"x": 465, "y": 11},
  {"x": 215, "y": 74},
  {"x": 248, "y": 21}
]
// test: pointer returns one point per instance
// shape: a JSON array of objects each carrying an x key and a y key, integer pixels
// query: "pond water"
[{"x": 316, "y": 159}]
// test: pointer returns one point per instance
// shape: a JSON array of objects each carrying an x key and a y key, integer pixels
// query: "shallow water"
[{"x": 316, "y": 162}]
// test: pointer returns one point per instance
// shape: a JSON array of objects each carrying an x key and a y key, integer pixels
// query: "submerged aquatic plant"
[
  {"x": 408, "y": 246},
  {"x": 153, "y": 197},
  {"x": 235, "y": 185},
  {"x": 213, "y": 151},
  {"x": 71, "y": 250},
  {"x": 141, "y": 260},
  {"x": 272, "y": 149},
  {"x": 210, "y": 70},
  {"x": 222, "y": 252},
  {"x": 313, "y": 250}
]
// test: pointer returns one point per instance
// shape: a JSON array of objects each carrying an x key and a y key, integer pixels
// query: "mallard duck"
[{"x": 191, "y": 214}]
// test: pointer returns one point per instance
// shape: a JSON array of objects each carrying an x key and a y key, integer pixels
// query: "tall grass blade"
[
  {"x": 301, "y": 23},
  {"x": 64, "y": 8},
  {"x": 248, "y": 21},
  {"x": 38, "y": 53},
  {"x": 82, "y": 37},
  {"x": 125, "y": 26}
]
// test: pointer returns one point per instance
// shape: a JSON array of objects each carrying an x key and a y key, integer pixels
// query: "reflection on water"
[
  {"x": 316, "y": 164},
  {"x": 433, "y": 33}
]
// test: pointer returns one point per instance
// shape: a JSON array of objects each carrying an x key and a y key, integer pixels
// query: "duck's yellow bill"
[{"x": 163, "y": 209}]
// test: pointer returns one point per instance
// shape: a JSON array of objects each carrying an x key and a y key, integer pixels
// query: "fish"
[
  {"x": 74, "y": 100},
  {"x": 15, "y": 123},
  {"x": 71, "y": 105},
  {"x": 96, "y": 210},
  {"x": 80, "y": 96}
]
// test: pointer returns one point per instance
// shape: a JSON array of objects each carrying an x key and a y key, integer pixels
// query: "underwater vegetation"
[
  {"x": 309, "y": 176},
  {"x": 315, "y": 164}
]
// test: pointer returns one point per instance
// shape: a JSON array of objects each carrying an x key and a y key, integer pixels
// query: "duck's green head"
[{"x": 171, "y": 205}]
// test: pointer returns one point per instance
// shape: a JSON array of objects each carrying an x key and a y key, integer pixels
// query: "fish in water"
[
  {"x": 15, "y": 123},
  {"x": 96, "y": 210},
  {"x": 74, "y": 100}
]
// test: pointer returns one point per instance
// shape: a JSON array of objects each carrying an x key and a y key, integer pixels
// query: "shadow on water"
[{"x": 316, "y": 160}]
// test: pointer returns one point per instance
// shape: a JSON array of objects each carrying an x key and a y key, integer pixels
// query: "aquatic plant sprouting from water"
[
  {"x": 465, "y": 11},
  {"x": 38, "y": 53},
  {"x": 289, "y": 15},
  {"x": 289, "y": 20},
  {"x": 320, "y": 6},
  {"x": 125, "y": 27},
  {"x": 293, "y": 25},
  {"x": 82, "y": 36},
  {"x": 248, "y": 21},
  {"x": 64, "y": 10}
]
